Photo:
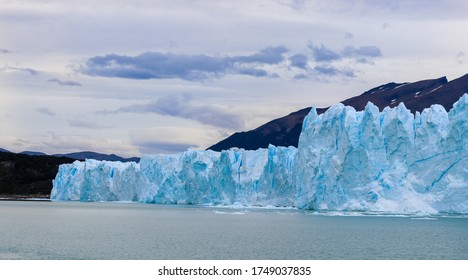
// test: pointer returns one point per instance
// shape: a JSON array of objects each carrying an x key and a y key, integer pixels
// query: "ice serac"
[
  {"x": 94, "y": 180},
  {"x": 227, "y": 177},
  {"x": 390, "y": 161},
  {"x": 260, "y": 177}
]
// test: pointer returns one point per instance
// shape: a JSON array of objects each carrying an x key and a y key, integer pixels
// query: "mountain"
[
  {"x": 80, "y": 155},
  {"x": 32, "y": 153},
  {"x": 30, "y": 174},
  {"x": 97, "y": 156},
  {"x": 27, "y": 175},
  {"x": 416, "y": 96}
]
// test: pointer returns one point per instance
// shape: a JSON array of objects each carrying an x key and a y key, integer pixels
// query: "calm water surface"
[{"x": 74, "y": 230}]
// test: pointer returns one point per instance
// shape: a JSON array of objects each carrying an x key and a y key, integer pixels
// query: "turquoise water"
[{"x": 74, "y": 230}]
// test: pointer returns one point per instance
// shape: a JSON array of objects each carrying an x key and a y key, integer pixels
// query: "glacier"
[{"x": 347, "y": 160}]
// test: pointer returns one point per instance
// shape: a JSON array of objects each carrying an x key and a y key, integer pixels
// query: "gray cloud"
[
  {"x": 396, "y": 9},
  {"x": 45, "y": 111},
  {"x": 156, "y": 65},
  {"x": 181, "y": 106},
  {"x": 329, "y": 70},
  {"x": 84, "y": 124},
  {"x": 27, "y": 70},
  {"x": 336, "y": 63},
  {"x": 68, "y": 143},
  {"x": 323, "y": 54},
  {"x": 300, "y": 76},
  {"x": 5, "y": 51},
  {"x": 269, "y": 55},
  {"x": 459, "y": 57},
  {"x": 253, "y": 72},
  {"x": 19, "y": 142},
  {"x": 364, "y": 51},
  {"x": 65, "y": 83},
  {"x": 362, "y": 54},
  {"x": 274, "y": 75},
  {"x": 299, "y": 61},
  {"x": 298, "y": 5},
  {"x": 349, "y": 36},
  {"x": 155, "y": 147}
]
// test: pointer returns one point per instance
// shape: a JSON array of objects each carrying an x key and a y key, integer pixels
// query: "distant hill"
[
  {"x": 97, "y": 156},
  {"x": 417, "y": 96},
  {"x": 31, "y": 153},
  {"x": 80, "y": 155}
]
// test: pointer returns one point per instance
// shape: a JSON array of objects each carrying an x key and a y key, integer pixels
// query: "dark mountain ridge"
[
  {"x": 4, "y": 151},
  {"x": 26, "y": 175},
  {"x": 80, "y": 155},
  {"x": 29, "y": 174},
  {"x": 416, "y": 96},
  {"x": 93, "y": 155},
  {"x": 33, "y": 153}
]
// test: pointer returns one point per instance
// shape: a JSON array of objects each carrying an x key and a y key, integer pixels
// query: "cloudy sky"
[{"x": 133, "y": 77}]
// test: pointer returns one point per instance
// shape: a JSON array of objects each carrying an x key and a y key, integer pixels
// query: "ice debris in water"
[{"x": 390, "y": 161}]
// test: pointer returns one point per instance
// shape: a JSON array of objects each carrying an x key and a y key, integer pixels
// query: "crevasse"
[{"x": 390, "y": 161}]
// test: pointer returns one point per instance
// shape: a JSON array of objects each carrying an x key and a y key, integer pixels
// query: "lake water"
[{"x": 75, "y": 230}]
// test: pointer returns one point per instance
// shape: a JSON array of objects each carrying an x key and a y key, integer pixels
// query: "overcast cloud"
[
  {"x": 157, "y": 147},
  {"x": 156, "y": 65},
  {"x": 361, "y": 54},
  {"x": 182, "y": 106},
  {"x": 45, "y": 111},
  {"x": 239, "y": 63},
  {"x": 65, "y": 83},
  {"x": 299, "y": 60},
  {"x": 25, "y": 70},
  {"x": 84, "y": 124}
]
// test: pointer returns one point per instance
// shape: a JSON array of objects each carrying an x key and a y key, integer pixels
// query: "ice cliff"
[
  {"x": 390, "y": 161},
  {"x": 257, "y": 177}
]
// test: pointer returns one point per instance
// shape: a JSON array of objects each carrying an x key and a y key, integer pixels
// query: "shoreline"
[{"x": 24, "y": 197}]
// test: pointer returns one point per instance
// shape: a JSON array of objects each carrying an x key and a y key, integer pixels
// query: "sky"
[{"x": 139, "y": 77}]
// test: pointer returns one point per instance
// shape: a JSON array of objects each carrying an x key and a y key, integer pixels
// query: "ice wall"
[
  {"x": 261, "y": 177},
  {"x": 346, "y": 160},
  {"x": 389, "y": 161}
]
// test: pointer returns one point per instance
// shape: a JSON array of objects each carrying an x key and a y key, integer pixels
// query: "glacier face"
[
  {"x": 257, "y": 177},
  {"x": 390, "y": 161}
]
